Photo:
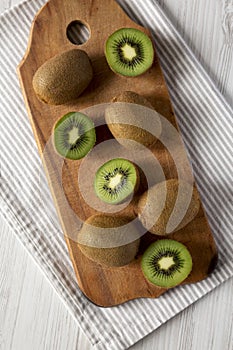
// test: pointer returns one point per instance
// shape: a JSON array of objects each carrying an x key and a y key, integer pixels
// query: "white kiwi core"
[
  {"x": 166, "y": 262},
  {"x": 129, "y": 52},
  {"x": 115, "y": 181},
  {"x": 73, "y": 135}
]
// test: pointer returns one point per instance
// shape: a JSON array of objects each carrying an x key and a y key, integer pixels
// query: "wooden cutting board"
[{"x": 104, "y": 286}]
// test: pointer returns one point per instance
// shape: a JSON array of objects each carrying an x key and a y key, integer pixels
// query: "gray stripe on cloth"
[{"x": 206, "y": 123}]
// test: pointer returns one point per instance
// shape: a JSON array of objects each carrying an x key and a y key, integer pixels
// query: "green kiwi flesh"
[
  {"x": 129, "y": 52},
  {"x": 166, "y": 263},
  {"x": 156, "y": 205},
  {"x": 74, "y": 135},
  {"x": 63, "y": 78},
  {"x": 116, "y": 180},
  {"x": 109, "y": 240}
]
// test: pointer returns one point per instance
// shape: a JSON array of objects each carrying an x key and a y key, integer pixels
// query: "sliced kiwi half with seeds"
[
  {"x": 116, "y": 180},
  {"x": 129, "y": 52},
  {"x": 74, "y": 135},
  {"x": 166, "y": 263}
]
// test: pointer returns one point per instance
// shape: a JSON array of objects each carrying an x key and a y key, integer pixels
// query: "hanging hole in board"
[{"x": 77, "y": 32}]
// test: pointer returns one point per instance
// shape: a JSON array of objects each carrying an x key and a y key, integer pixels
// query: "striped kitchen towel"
[{"x": 206, "y": 123}]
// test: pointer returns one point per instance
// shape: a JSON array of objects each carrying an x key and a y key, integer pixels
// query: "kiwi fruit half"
[
  {"x": 157, "y": 205},
  {"x": 129, "y": 52},
  {"x": 166, "y": 263},
  {"x": 116, "y": 180},
  {"x": 74, "y": 135},
  {"x": 63, "y": 78},
  {"x": 130, "y": 118},
  {"x": 109, "y": 240}
]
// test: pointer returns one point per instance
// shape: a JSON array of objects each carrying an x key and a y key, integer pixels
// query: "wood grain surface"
[
  {"x": 104, "y": 286},
  {"x": 31, "y": 313}
]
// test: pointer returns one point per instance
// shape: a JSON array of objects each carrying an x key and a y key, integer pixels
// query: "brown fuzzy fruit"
[
  {"x": 63, "y": 78},
  {"x": 160, "y": 210},
  {"x": 109, "y": 240},
  {"x": 132, "y": 97},
  {"x": 131, "y": 117}
]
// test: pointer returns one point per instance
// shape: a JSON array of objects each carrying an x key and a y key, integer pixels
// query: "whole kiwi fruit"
[
  {"x": 129, "y": 118},
  {"x": 161, "y": 213},
  {"x": 109, "y": 240},
  {"x": 63, "y": 78},
  {"x": 132, "y": 97}
]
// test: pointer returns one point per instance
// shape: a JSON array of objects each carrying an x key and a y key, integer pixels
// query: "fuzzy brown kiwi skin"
[
  {"x": 110, "y": 257},
  {"x": 125, "y": 132},
  {"x": 132, "y": 97},
  {"x": 63, "y": 78},
  {"x": 145, "y": 210}
]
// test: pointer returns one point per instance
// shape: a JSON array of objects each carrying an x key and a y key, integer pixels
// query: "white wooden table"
[{"x": 32, "y": 316}]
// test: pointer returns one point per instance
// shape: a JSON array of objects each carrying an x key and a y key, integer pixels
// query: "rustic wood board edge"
[{"x": 108, "y": 298}]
